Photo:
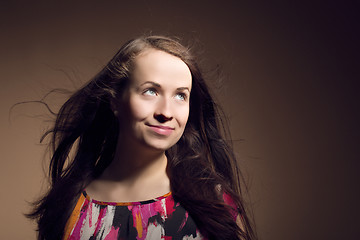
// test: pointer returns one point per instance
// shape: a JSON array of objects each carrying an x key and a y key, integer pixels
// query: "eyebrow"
[
  {"x": 152, "y": 83},
  {"x": 183, "y": 88},
  {"x": 158, "y": 85}
]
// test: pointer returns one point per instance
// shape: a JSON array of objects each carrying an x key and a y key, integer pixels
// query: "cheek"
[
  {"x": 182, "y": 115},
  {"x": 139, "y": 109}
]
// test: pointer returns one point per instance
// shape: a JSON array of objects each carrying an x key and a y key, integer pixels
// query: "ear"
[
  {"x": 118, "y": 102},
  {"x": 114, "y": 105}
]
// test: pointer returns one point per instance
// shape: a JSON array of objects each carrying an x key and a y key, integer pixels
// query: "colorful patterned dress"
[{"x": 159, "y": 218}]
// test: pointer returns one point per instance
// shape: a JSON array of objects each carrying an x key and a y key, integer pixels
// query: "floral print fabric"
[{"x": 160, "y": 218}]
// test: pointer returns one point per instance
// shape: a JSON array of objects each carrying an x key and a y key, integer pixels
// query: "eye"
[
  {"x": 181, "y": 96},
  {"x": 150, "y": 92}
]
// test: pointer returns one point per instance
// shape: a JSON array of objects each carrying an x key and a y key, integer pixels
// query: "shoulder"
[
  {"x": 227, "y": 200},
  {"x": 233, "y": 208}
]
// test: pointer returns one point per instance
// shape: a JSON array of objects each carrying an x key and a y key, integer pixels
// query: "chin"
[{"x": 160, "y": 145}]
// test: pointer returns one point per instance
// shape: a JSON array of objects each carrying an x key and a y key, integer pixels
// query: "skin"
[{"x": 153, "y": 114}]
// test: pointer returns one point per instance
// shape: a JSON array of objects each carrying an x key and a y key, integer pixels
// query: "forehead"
[{"x": 160, "y": 67}]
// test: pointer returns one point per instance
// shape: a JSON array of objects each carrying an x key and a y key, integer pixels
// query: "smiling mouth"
[{"x": 161, "y": 130}]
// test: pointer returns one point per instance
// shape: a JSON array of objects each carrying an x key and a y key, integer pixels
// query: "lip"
[{"x": 161, "y": 130}]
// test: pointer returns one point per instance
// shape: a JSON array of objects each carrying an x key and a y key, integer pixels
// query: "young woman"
[{"x": 150, "y": 160}]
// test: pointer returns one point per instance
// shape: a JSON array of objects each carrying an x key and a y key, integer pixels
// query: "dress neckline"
[{"x": 125, "y": 203}]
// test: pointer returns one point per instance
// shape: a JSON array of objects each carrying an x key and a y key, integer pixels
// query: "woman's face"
[{"x": 157, "y": 100}]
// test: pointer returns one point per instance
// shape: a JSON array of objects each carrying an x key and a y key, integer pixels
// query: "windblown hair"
[{"x": 201, "y": 165}]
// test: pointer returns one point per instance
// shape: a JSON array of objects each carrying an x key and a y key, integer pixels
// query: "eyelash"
[
  {"x": 183, "y": 96},
  {"x": 149, "y": 90},
  {"x": 153, "y": 90}
]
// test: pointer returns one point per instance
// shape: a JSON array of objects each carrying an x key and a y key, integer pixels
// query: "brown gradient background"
[{"x": 288, "y": 88}]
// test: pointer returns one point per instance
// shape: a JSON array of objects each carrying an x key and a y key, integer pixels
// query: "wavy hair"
[{"x": 201, "y": 164}]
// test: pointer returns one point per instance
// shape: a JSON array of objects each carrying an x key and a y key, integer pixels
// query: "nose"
[{"x": 163, "y": 111}]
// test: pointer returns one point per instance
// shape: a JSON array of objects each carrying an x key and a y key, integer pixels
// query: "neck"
[
  {"x": 136, "y": 164},
  {"x": 136, "y": 173}
]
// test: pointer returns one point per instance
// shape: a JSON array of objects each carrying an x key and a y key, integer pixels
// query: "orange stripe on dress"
[
  {"x": 74, "y": 217},
  {"x": 139, "y": 226}
]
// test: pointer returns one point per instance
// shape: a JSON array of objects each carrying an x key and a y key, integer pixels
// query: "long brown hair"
[{"x": 201, "y": 165}]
